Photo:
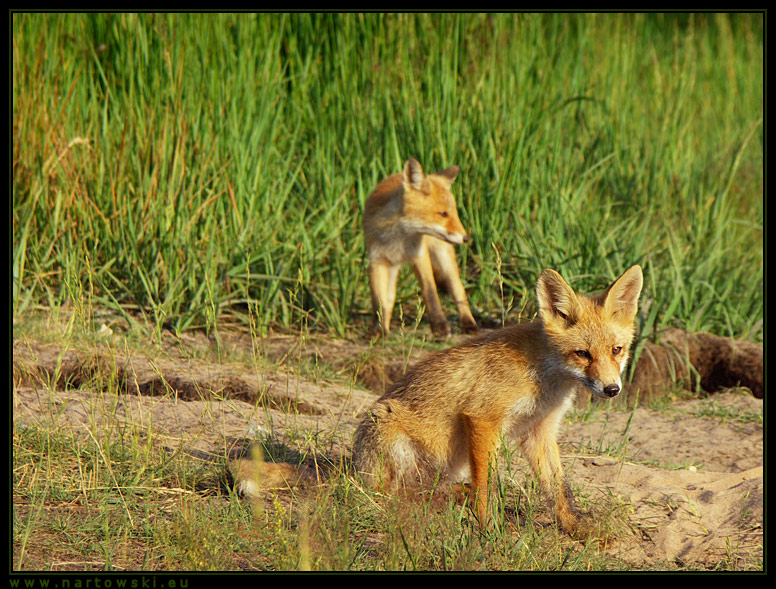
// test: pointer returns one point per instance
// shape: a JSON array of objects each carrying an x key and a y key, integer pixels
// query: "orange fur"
[
  {"x": 446, "y": 413},
  {"x": 412, "y": 218}
]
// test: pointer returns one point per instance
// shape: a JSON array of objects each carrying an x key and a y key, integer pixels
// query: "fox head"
[
  {"x": 429, "y": 206},
  {"x": 591, "y": 334}
]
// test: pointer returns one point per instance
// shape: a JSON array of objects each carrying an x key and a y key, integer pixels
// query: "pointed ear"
[
  {"x": 557, "y": 300},
  {"x": 621, "y": 299},
  {"x": 413, "y": 174},
  {"x": 449, "y": 173}
]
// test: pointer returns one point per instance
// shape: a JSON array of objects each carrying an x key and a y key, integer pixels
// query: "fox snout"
[
  {"x": 454, "y": 238},
  {"x": 599, "y": 389}
]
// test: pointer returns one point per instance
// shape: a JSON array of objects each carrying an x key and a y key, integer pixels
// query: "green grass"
[
  {"x": 68, "y": 515},
  {"x": 192, "y": 168}
]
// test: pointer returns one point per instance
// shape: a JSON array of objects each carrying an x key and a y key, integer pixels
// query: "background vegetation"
[{"x": 188, "y": 166}]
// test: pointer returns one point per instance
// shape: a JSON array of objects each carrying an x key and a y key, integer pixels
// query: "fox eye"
[
  {"x": 616, "y": 350},
  {"x": 444, "y": 214},
  {"x": 583, "y": 354}
]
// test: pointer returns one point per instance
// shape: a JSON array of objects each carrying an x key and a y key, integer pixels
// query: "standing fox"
[
  {"x": 412, "y": 217},
  {"x": 448, "y": 411}
]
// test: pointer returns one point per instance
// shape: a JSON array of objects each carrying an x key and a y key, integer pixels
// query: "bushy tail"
[{"x": 252, "y": 475}]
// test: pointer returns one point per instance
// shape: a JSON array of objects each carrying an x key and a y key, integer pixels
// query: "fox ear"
[
  {"x": 557, "y": 300},
  {"x": 622, "y": 297},
  {"x": 449, "y": 173},
  {"x": 413, "y": 174}
]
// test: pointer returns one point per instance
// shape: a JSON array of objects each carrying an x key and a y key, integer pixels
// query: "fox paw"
[
  {"x": 469, "y": 326},
  {"x": 441, "y": 331}
]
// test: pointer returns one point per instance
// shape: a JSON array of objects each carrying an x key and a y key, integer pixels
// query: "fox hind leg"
[
  {"x": 448, "y": 277},
  {"x": 424, "y": 272},
  {"x": 370, "y": 459},
  {"x": 383, "y": 453}
]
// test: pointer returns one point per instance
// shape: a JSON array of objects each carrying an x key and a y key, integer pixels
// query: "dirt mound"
[{"x": 693, "y": 360}]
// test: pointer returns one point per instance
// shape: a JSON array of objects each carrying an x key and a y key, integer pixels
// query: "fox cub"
[
  {"x": 448, "y": 411},
  {"x": 412, "y": 217}
]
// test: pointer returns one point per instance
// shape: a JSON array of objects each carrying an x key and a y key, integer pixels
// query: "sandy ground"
[{"x": 690, "y": 479}]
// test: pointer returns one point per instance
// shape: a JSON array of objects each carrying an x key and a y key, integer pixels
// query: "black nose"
[
  {"x": 611, "y": 390},
  {"x": 466, "y": 239}
]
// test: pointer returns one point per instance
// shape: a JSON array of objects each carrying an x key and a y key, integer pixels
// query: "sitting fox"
[
  {"x": 412, "y": 217},
  {"x": 447, "y": 412}
]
